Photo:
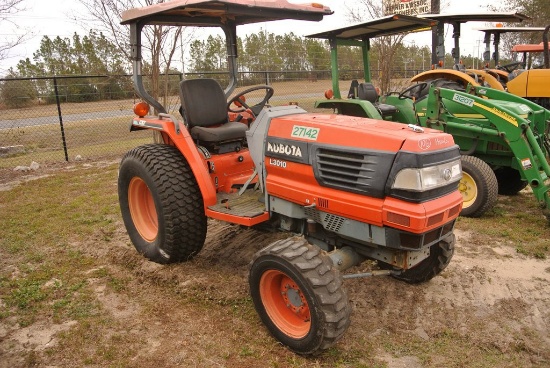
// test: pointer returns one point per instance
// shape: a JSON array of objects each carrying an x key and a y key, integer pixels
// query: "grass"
[
  {"x": 100, "y": 138},
  {"x": 96, "y": 137},
  {"x": 65, "y": 257},
  {"x": 507, "y": 222}
]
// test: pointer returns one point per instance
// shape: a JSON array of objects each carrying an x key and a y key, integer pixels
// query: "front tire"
[
  {"x": 298, "y": 295},
  {"x": 509, "y": 181},
  {"x": 439, "y": 258},
  {"x": 161, "y": 204},
  {"x": 478, "y": 186}
]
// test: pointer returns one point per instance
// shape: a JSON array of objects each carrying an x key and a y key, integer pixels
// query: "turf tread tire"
[
  {"x": 181, "y": 220},
  {"x": 317, "y": 272},
  {"x": 486, "y": 183},
  {"x": 509, "y": 181}
]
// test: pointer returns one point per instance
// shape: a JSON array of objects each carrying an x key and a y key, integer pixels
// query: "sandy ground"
[
  {"x": 489, "y": 295},
  {"x": 487, "y": 290}
]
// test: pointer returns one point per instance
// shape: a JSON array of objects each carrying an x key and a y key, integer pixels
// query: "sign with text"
[{"x": 407, "y": 7}]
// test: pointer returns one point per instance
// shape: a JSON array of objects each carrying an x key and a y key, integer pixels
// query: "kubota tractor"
[
  {"x": 346, "y": 188},
  {"x": 504, "y": 139}
]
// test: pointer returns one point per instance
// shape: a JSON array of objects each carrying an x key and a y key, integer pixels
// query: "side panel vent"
[
  {"x": 322, "y": 202},
  {"x": 333, "y": 223}
]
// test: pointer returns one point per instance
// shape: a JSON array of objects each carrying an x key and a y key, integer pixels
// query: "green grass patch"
[
  {"x": 47, "y": 222},
  {"x": 517, "y": 222}
]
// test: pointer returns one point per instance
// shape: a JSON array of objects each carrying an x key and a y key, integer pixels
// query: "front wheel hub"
[{"x": 285, "y": 303}]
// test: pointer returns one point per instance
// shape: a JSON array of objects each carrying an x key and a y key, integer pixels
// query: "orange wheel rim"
[
  {"x": 285, "y": 304},
  {"x": 142, "y": 209}
]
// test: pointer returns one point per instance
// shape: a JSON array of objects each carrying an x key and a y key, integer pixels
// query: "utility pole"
[{"x": 436, "y": 8}]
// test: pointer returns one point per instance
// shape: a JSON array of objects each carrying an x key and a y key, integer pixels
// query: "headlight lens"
[{"x": 427, "y": 178}]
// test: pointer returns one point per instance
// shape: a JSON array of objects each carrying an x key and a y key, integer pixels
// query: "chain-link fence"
[{"x": 59, "y": 119}]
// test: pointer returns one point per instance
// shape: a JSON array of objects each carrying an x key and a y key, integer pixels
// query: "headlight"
[{"x": 432, "y": 177}]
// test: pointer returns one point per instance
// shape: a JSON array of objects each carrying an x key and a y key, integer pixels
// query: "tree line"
[
  {"x": 95, "y": 55},
  {"x": 102, "y": 53}
]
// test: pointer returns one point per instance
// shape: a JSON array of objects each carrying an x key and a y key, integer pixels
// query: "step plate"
[{"x": 249, "y": 204}]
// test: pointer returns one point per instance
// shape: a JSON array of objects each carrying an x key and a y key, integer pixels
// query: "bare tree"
[
  {"x": 538, "y": 10},
  {"x": 160, "y": 43},
  {"x": 7, "y": 9},
  {"x": 364, "y": 10}
]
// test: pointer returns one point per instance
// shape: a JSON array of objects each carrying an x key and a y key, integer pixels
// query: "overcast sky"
[{"x": 56, "y": 18}]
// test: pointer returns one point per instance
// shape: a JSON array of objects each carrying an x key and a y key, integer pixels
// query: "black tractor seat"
[
  {"x": 366, "y": 91},
  {"x": 204, "y": 109}
]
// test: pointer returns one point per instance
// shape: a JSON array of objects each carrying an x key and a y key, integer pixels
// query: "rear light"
[
  {"x": 427, "y": 178},
  {"x": 141, "y": 109}
]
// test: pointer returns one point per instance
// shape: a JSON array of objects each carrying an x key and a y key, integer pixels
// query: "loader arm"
[{"x": 527, "y": 137}]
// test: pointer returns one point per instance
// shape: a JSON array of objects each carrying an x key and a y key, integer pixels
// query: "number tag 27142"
[{"x": 305, "y": 132}]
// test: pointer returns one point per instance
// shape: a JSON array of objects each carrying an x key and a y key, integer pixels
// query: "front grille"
[{"x": 359, "y": 172}]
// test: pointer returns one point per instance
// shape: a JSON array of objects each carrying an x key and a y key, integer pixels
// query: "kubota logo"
[{"x": 285, "y": 149}]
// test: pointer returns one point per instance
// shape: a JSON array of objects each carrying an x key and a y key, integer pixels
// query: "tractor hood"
[{"x": 357, "y": 133}]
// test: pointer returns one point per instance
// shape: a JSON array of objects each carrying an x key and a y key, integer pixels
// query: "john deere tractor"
[
  {"x": 345, "y": 188},
  {"x": 504, "y": 139}
]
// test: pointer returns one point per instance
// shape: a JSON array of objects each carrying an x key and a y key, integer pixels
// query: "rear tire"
[
  {"x": 161, "y": 204},
  {"x": 509, "y": 181},
  {"x": 478, "y": 186},
  {"x": 439, "y": 258},
  {"x": 299, "y": 296}
]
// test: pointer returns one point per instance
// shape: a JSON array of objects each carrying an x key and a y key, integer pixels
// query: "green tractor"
[{"x": 504, "y": 139}]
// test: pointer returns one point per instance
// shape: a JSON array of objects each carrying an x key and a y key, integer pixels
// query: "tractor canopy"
[
  {"x": 360, "y": 34},
  {"x": 385, "y": 26},
  {"x": 495, "y": 32},
  {"x": 215, "y": 12},
  {"x": 225, "y": 14},
  {"x": 539, "y": 47},
  {"x": 456, "y": 19}
]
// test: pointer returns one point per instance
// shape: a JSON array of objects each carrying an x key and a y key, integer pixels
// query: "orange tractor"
[{"x": 347, "y": 189}]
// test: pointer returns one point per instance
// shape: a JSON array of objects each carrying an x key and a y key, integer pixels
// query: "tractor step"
[{"x": 249, "y": 204}]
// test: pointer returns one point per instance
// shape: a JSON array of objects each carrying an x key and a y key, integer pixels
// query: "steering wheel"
[
  {"x": 419, "y": 87},
  {"x": 240, "y": 100},
  {"x": 510, "y": 67}
]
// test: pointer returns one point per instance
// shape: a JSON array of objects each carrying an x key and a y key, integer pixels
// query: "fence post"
[{"x": 60, "y": 119}]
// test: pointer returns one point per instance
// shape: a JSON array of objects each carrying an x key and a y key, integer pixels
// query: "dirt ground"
[{"x": 489, "y": 295}]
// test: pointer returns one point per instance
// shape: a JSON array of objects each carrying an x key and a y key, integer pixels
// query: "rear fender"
[
  {"x": 175, "y": 134},
  {"x": 452, "y": 75}
]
